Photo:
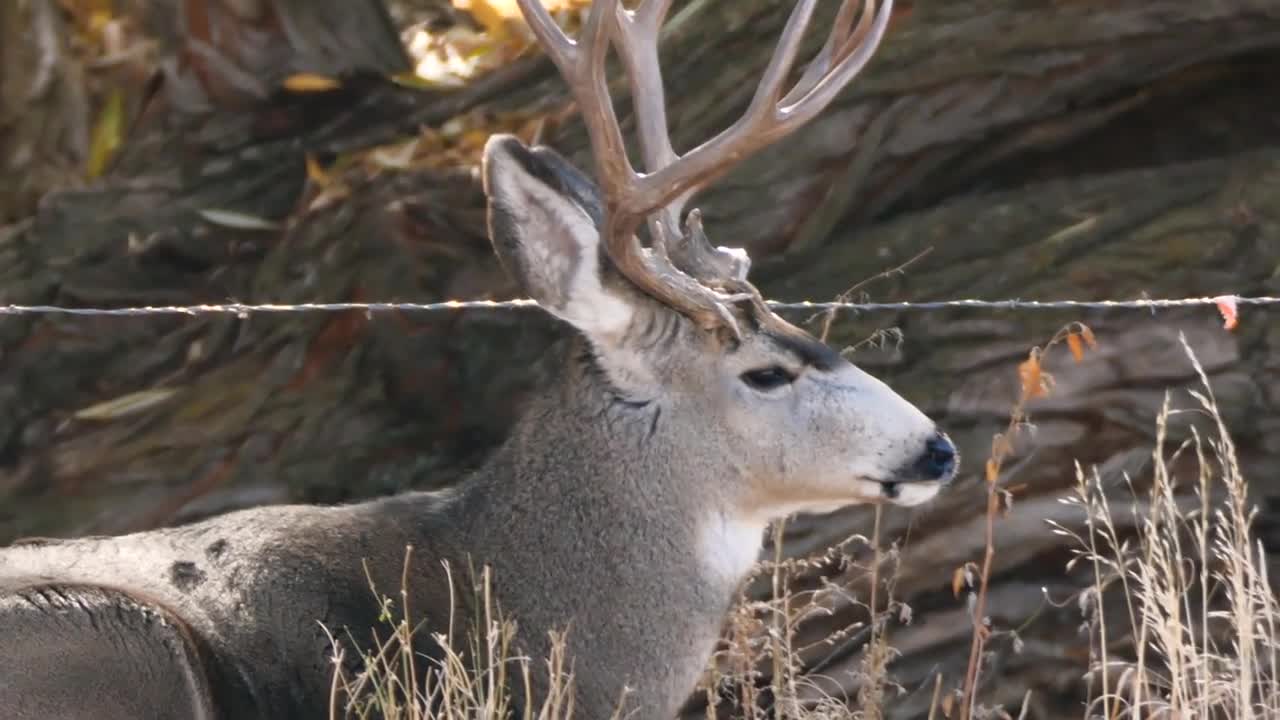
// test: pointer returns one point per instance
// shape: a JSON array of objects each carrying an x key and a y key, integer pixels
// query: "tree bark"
[{"x": 1049, "y": 150}]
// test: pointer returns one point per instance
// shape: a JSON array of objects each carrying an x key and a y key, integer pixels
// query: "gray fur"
[{"x": 622, "y": 507}]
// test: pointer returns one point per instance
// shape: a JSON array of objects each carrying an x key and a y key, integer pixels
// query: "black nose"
[{"x": 939, "y": 459}]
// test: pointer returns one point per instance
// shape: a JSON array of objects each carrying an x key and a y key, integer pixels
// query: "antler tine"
[
  {"x": 582, "y": 65},
  {"x": 840, "y": 41},
  {"x": 769, "y": 90},
  {"x": 637, "y": 44},
  {"x": 765, "y": 122}
]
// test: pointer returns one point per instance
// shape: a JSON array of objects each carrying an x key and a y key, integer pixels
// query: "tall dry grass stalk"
[
  {"x": 975, "y": 577},
  {"x": 1198, "y": 635}
]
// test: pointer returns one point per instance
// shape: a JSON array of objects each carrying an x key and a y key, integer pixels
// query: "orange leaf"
[
  {"x": 1000, "y": 446},
  {"x": 957, "y": 581},
  {"x": 1089, "y": 339},
  {"x": 1230, "y": 313},
  {"x": 1076, "y": 345},
  {"x": 1032, "y": 377},
  {"x": 309, "y": 82},
  {"x": 993, "y": 470}
]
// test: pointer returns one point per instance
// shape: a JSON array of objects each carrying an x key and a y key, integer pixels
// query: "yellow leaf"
[
  {"x": 108, "y": 132},
  {"x": 413, "y": 80},
  {"x": 492, "y": 15},
  {"x": 957, "y": 581},
  {"x": 317, "y": 174},
  {"x": 98, "y": 20},
  {"x": 474, "y": 138},
  {"x": 124, "y": 405},
  {"x": 993, "y": 470},
  {"x": 310, "y": 82}
]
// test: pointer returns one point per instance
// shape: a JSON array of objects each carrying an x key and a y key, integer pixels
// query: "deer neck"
[{"x": 602, "y": 469}]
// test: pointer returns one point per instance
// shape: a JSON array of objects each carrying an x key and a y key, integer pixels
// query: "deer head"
[{"x": 770, "y": 419}]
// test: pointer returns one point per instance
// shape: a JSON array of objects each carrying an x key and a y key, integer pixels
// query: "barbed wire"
[{"x": 245, "y": 309}]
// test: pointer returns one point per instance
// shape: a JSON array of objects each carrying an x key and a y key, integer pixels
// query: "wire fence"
[{"x": 246, "y": 309}]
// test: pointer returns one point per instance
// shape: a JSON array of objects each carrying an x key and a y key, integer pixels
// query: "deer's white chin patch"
[{"x": 863, "y": 492}]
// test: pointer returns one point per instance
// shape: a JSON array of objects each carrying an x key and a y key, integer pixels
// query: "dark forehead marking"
[{"x": 809, "y": 349}]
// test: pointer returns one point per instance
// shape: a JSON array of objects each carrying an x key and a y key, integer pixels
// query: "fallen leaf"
[
  {"x": 310, "y": 82},
  {"x": 239, "y": 221},
  {"x": 492, "y": 15},
  {"x": 317, "y": 174},
  {"x": 124, "y": 405},
  {"x": 108, "y": 133}
]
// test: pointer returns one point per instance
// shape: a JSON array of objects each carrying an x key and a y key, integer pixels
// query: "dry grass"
[
  {"x": 1198, "y": 636},
  {"x": 477, "y": 677}
]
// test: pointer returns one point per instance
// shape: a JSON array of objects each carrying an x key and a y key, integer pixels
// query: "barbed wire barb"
[{"x": 245, "y": 309}]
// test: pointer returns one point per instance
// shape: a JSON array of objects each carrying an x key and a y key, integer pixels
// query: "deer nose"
[{"x": 939, "y": 459}]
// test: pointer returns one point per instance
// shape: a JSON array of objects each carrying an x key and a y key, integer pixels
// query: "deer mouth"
[{"x": 908, "y": 494}]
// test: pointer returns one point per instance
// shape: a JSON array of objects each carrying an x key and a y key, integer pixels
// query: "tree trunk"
[{"x": 1049, "y": 150}]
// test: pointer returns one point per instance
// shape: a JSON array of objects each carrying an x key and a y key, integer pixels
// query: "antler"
[{"x": 683, "y": 270}]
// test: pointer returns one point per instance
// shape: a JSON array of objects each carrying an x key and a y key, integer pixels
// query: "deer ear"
[{"x": 543, "y": 220}]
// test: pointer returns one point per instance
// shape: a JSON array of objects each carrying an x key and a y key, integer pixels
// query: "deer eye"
[{"x": 770, "y": 378}]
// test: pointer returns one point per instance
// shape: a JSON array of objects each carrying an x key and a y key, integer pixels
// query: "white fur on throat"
[{"x": 729, "y": 547}]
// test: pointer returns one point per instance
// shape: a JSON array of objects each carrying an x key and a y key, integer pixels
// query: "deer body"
[
  {"x": 625, "y": 508},
  {"x": 638, "y": 567}
]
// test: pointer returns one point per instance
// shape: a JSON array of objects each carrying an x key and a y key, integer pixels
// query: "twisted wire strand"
[{"x": 245, "y": 309}]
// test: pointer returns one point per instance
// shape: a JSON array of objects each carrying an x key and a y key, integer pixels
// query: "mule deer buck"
[{"x": 627, "y": 505}]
